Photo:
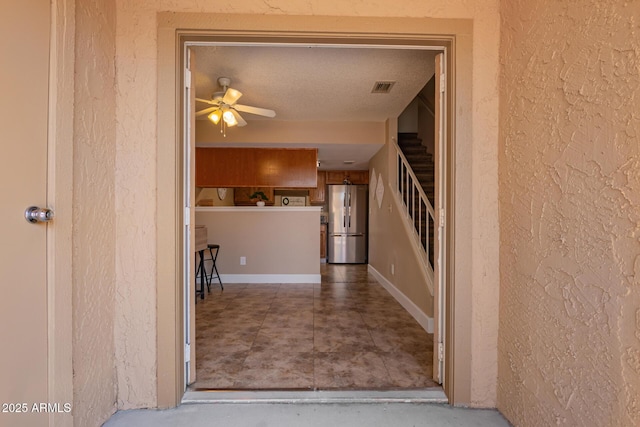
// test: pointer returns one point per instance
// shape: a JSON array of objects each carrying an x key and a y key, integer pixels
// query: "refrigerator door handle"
[{"x": 349, "y": 208}]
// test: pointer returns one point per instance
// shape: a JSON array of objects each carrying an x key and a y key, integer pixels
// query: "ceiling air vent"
[{"x": 382, "y": 87}]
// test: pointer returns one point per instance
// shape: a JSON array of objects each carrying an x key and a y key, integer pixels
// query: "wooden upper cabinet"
[
  {"x": 355, "y": 177},
  {"x": 256, "y": 167},
  {"x": 317, "y": 195}
]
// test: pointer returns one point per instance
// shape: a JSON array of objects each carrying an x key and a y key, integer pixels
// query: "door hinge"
[
  {"x": 187, "y": 215},
  {"x": 440, "y": 352},
  {"x": 187, "y": 78},
  {"x": 442, "y": 82},
  {"x": 187, "y": 353},
  {"x": 441, "y": 218}
]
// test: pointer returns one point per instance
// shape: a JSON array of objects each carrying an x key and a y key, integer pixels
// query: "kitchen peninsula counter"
[
  {"x": 260, "y": 209},
  {"x": 281, "y": 244}
]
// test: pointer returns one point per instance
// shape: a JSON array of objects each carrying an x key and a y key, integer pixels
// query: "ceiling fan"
[{"x": 223, "y": 106}]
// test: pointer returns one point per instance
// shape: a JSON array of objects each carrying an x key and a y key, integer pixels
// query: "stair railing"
[{"x": 416, "y": 205}]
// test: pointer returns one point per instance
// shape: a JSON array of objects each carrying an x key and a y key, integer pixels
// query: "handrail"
[{"x": 409, "y": 191}]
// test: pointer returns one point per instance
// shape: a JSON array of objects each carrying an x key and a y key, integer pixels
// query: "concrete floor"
[{"x": 310, "y": 414}]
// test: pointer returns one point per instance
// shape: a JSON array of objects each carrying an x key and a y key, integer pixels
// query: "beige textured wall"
[
  {"x": 390, "y": 244},
  {"x": 570, "y": 213},
  {"x": 94, "y": 237},
  {"x": 136, "y": 151}
]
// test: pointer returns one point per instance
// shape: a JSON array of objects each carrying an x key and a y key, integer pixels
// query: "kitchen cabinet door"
[
  {"x": 317, "y": 195},
  {"x": 355, "y": 177},
  {"x": 223, "y": 167},
  {"x": 359, "y": 177},
  {"x": 335, "y": 177}
]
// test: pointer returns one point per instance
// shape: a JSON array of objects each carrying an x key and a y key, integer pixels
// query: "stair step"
[
  {"x": 419, "y": 157},
  {"x": 423, "y": 169},
  {"x": 428, "y": 190},
  {"x": 420, "y": 162},
  {"x": 410, "y": 142},
  {"x": 425, "y": 180},
  {"x": 422, "y": 166},
  {"x": 414, "y": 149}
]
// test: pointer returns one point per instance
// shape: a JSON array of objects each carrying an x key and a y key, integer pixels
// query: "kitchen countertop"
[{"x": 258, "y": 209}]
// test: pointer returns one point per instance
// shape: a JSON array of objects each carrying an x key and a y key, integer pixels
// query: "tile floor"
[{"x": 346, "y": 333}]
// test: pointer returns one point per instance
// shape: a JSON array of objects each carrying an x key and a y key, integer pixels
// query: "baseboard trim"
[
  {"x": 425, "y": 321},
  {"x": 270, "y": 278}
]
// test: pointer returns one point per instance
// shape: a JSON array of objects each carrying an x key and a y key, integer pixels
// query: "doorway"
[
  {"x": 393, "y": 32},
  {"x": 191, "y": 330}
]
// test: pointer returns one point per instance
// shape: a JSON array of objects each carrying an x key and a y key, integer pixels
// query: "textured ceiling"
[{"x": 317, "y": 83}]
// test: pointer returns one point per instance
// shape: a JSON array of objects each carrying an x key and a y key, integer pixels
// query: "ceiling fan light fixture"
[
  {"x": 223, "y": 109},
  {"x": 229, "y": 118},
  {"x": 215, "y": 116}
]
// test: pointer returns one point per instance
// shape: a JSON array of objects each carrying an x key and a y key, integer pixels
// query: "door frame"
[
  {"x": 60, "y": 200},
  {"x": 451, "y": 34}
]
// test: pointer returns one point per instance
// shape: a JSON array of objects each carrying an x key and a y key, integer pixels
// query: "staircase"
[{"x": 421, "y": 162}]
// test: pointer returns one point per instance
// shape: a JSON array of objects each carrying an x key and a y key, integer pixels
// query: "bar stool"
[
  {"x": 213, "y": 259},
  {"x": 201, "y": 272}
]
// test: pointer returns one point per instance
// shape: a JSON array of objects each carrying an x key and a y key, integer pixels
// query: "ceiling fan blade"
[
  {"x": 231, "y": 96},
  {"x": 255, "y": 110},
  {"x": 239, "y": 119},
  {"x": 207, "y": 101},
  {"x": 205, "y": 111}
]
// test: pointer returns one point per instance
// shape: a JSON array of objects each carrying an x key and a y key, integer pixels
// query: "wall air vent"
[{"x": 382, "y": 87}]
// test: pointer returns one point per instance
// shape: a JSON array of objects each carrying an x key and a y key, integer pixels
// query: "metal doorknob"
[{"x": 35, "y": 214}]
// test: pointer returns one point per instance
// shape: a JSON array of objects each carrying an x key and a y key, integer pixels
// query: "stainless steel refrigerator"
[{"x": 347, "y": 232}]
